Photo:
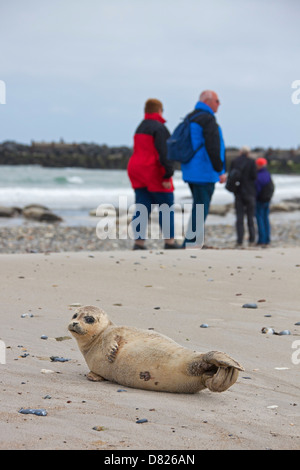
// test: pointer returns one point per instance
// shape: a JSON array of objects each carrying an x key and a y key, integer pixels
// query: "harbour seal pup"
[{"x": 145, "y": 359}]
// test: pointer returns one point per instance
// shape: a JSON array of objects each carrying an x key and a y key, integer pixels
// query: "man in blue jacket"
[{"x": 208, "y": 166}]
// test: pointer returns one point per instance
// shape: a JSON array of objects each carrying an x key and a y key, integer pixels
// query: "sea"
[{"x": 73, "y": 192}]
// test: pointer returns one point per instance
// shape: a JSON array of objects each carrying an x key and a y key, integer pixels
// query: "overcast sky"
[{"x": 82, "y": 70}]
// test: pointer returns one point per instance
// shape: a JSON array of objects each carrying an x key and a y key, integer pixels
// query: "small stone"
[
  {"x": 204, "y": 325},
  {"x": 44, "y": 337},
  {"x": 284, "y": 332},
  {"x": 32, "y": 411},
  {"x": 58, "y": 359},
  {"x": 98, "y": 428},
  {"x": 140, "y": 421},
  {"x": 250, "y": 305}
]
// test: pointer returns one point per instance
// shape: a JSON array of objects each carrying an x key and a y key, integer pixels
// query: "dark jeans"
[
  {"x": 263, "y": 224},
  {"x": 166, "y": 217},
  {"x": 245, "y": 205},
  {"x": 202, "y": 194}
]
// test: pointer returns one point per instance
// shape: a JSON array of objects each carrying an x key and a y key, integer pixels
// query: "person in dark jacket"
[
  {"x": 245, "y": 195},
  {"x": 150, "y": 174},
  {"x": 208, "y": 165},
  {"x": 263, "y": 204}
]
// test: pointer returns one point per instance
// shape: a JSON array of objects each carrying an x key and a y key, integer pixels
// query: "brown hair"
[{"x": 153, "y": 106}]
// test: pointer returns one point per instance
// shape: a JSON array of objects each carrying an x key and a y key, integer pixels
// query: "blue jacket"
[{"x": 209, "y": 162}]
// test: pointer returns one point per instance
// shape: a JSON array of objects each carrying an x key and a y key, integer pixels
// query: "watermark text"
[
  {"x": 2, "y": 352},
  {"x": 163, "y": 221},
  {"x": 2, "y": 92},
  {"x": 296, "y": 94},
  {"x": 296, "y": 354}
]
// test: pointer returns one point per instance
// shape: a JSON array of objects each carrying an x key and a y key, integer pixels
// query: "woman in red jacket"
[{"x": 150, "y": 174}]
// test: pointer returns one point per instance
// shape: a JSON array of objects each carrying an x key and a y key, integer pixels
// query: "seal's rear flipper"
[
  {"x": 221, "y": 359},
  {"x": 222, "y": 371}
]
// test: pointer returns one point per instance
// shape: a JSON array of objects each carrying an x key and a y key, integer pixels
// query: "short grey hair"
[
  {"x": 206, "y": 95},
  {"x": 245, "y": 150}
]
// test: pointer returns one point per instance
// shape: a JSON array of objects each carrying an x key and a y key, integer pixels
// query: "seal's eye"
[
  {"x": 89, "y": 319},
  {"x": 75, "y": 316}
]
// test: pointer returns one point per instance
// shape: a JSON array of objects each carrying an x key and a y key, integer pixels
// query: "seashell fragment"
[{"x": 268, "y": 331}]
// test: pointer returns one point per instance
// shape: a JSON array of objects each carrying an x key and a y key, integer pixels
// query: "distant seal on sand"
[{"x": 145, "y": 359}]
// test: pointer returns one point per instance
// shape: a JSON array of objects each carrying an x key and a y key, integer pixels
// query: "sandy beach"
[{"x": 173, "y": 292}]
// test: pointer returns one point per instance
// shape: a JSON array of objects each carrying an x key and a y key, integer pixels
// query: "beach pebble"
[
  {"x": 58, "y": 359},
  {"x": 24, "y": 315},
  {"x": 250, "y": 305},
  {"x": 98, "y": 428},
  {"x": 121, "y": 390},
  {"x": 284, "y": 332},
  {"x": 44, "y": 337},
  {"x": 33, "y": 411},
  {"x": 272, "y": 407},
  {"x": 298, "y": 323},
  {"x": 204, "y": 325},
  {"x": 140, "y": 421}
]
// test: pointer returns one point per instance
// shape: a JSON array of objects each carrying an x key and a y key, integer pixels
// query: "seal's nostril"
[{"x": 75, "y": 323}]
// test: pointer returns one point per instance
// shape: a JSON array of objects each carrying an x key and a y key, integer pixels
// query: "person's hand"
[
  {"x": 223, "y": 178},
  {"x": 167, "y": 184}
]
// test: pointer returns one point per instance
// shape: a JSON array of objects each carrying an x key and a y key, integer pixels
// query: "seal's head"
[{"x": 88, "y": 322}]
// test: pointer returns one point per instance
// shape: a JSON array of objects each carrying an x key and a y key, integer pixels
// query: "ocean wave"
[
  {"x": 68, "y": 180},
  {"x": 62, "y": 198},
  {"x": 76, "y": 189}
]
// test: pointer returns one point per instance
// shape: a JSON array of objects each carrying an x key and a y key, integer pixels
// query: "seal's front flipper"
[
  {"x": 94, "y": 377},
  {"x": 222, "y": 371},
  {"x": 113, "y": 349}
]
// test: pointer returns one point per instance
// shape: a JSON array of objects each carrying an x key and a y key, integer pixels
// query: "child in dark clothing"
[{"x": 264, "y": 191}]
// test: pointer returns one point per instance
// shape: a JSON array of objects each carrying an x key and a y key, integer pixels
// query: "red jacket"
[{"x": 148, "y": 166}]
